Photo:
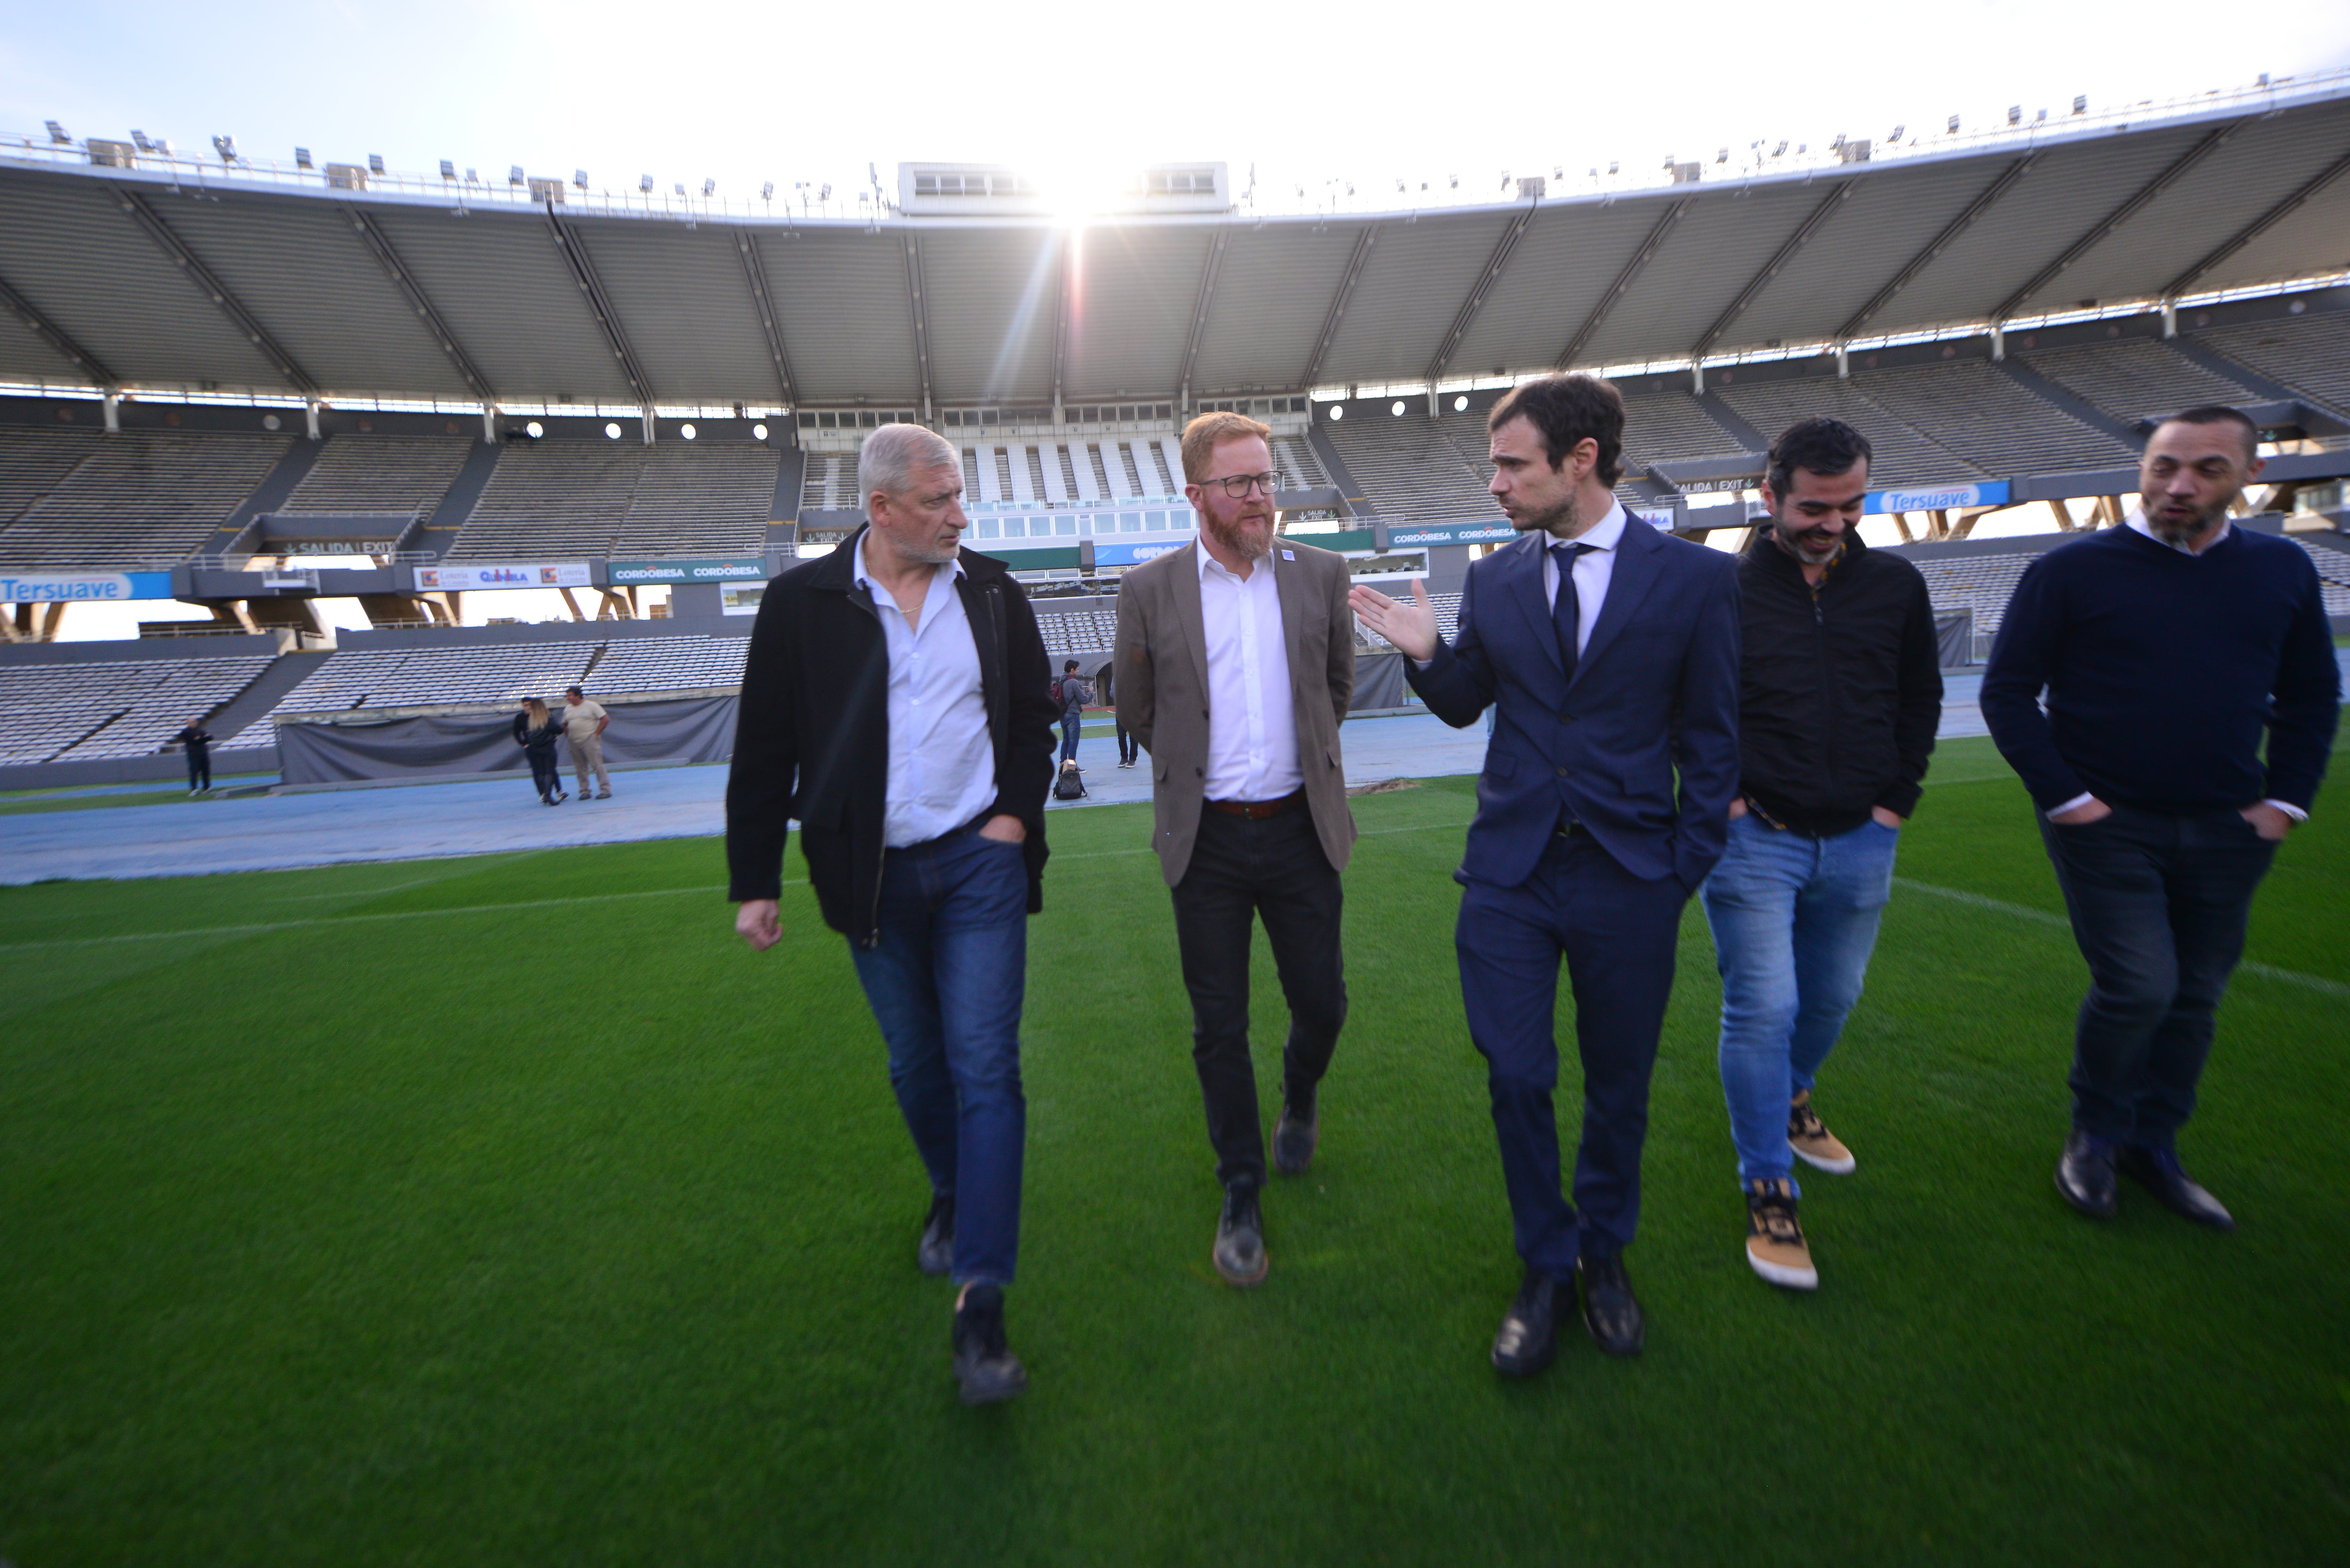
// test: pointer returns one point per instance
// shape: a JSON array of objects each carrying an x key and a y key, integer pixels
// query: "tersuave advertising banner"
[
  {"x": 522, "y": 575},
  {"x": 738, "y": 569},
  {"x": 1946, "y": 498},
  {"x": 82, "y": 587}
]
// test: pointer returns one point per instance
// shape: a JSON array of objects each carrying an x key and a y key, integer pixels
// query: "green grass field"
[{"x": 506, "y": 1211}]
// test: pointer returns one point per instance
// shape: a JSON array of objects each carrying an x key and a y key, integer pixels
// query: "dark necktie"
[{"x": 1566, "y": 614}]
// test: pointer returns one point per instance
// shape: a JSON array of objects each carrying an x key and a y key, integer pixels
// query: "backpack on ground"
[{"x": 1070, "y": 785}]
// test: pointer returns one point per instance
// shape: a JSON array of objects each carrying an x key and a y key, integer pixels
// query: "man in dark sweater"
[
  {"x": 1840, "y": 690},
  {"x": 2167, "y": 647}
]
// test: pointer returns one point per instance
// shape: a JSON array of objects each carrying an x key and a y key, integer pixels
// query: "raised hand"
[{"x": 1410, "y": 627}]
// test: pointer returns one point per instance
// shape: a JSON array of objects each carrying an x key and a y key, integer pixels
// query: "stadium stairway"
[
  {"x": 249, "y": 705},
  {"x": 2088, "y": 413},
  {"x": 457, "y": 505},
  {"x": 1340, "y": 476},
  {"x": 267, "y": 496}
]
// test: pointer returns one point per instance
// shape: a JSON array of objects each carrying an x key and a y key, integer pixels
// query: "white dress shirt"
[
  {"x": 1594, "y": 570},
  {"x": 1252, "y": 725},
  {"x": 2137, "y": 520},
  {"x": 942, "y": 757}
]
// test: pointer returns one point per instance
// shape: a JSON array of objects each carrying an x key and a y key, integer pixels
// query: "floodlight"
[
  {"x": 1456, "y": 181},
  {"x": 1558, "y": 172},
  {"x": 1895, "y": 137},
  {"x": 515, "y": 175},
  {"x": 2015, "y": 114},
  {"x": 681, "y": 187},
  {"x": 139, "y": 140},
  {"x": 1338, "y": 411},
  {"x": 1396, "y": 408},
  {"x": 2080, "y": 103},
  {"x": 301, "y": 158},
  {"x": 534, "y": 429},
  {"x": 1461, "y": 404},
  {"x": 758, "y": 432},
  {"x": 1781, "y": 151},
  {"x": 1723, "y": 156},
  {"x": 1399, "y": 185},
  {"x": 473, "y": 176},
  {"x": 579, "y": 178},
  {"x": 448, "y": 170},
  {"x": 767, "y": 191},
  {"x": 375, "y": 163},
  {"x": 2041, "y": 118},
  {"x": 709, "y": 189},
  {"x": 686, "y": 431},
  {"x": 826, "y": 194},
  {"x": 58, "y": 133},
  {"x": 1954, "y": 125},
  {"x": 1611, "y": 166},
  {"x": 613, "y": 431},
  {"x": 226, "y": 147},
  {"x": 645, "y": 184}
]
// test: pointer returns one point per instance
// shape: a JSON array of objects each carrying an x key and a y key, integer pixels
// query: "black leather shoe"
[
  {"x": 2161, "y": 1174},
  {"x": 1240, "y": 1238},
  {"x": 2085, "y": 1176},
  {"x": 984, "y": 1367},
  {"x": 1610, "y": 1311},
  {"x": 1294, "y": 1135},
  {"x": 1527, "y": 1338},
  {"x": 935, "y": 1254}
]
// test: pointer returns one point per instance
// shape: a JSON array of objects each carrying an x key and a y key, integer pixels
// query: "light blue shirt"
[{"x": 941, "y": 758}]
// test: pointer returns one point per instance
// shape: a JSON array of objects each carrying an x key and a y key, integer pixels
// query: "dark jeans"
[
  {"x": 1273, "y": 869},
  {"x": 2159, "y": 904},
  {"x": 1618, "y": 934},
  {"x": 200, "y": 768},
  {"x": 544, "y": 775},
  {"x": 945, "y": 983},
  {"x": 1129, "y": 748},
  {"x": 1070, "y": 725}
]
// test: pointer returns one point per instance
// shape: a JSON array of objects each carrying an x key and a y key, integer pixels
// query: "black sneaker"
[
  {"x": 1240, "y": 1238},
  {"x": 984, "y": 1367},
  {"x": 1295, "y": 1135},
  {"x": 935, "y": 1253}
]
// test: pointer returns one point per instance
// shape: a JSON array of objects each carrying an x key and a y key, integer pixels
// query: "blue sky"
[{"x": 787, "y": 93}]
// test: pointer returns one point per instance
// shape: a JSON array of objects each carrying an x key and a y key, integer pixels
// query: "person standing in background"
[
  {"x": 2170, "y": 649},
  {"x": 1839, "y": 695},
  {"x": 584, "y": 723},
  {"x": 1075, "y": 695},
  {"x": 197, "y": 742},
  {"x": 536, "y": 732}
]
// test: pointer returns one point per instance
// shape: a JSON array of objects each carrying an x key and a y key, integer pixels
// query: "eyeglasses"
[{"x": 1238, "y": 485}]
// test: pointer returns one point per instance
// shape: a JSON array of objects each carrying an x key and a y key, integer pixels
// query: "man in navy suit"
[{"x": 1611, "y": 651}]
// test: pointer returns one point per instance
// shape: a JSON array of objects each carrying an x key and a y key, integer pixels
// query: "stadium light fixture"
[
  {"x": 515, "y": 175},
  {"x": 685, "y": 431},
  {"x": 709, "y": 189},
  {"x": 226, "y": 147},
  {"x": 1461, "y": 404},
  {"x": 302, "y": 158},
  {"x": 1895, "y": 137},
  {"x": 1338, "y": 411},
  {"x": 758, "y": 432},
  {"x": 1723, "y": 156},
  {"x": 58, "y": 133},
  {"x": 2080, "y": 103},
  {"x": 1456, "y": 181},
  {"x": 2041, "y": 118},
  {"x": 645, "y": 184},
  {"x": 375, "y": 163},
  {"x": 2015, "y": 114},
  {"x": 139, "y": 140},
  {"x": 611, "y": 431},
  {"x": 1954, "y": 125},
  {"x": 681, "y": 187},
  {"x": 1612, "y": 166},
  {"x": 579, "y": 178},
  {"x": 1396, "y": 408},
  {"x": 473, "y": 176},
  {"x": 448, "y": 170},
  {"x": 767, "y": 191},
  {"x": 825, "y": 194},
  {"x": 534, "y": 429}
]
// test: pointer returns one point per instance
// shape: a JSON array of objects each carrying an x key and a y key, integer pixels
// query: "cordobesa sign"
[{"x": 734, "y": 569}]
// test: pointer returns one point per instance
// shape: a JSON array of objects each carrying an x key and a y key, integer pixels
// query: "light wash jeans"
[{"x": 1794, "y": 920}]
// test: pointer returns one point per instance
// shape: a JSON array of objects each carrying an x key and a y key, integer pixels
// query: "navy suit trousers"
[{"x": 1618, "y": 934}]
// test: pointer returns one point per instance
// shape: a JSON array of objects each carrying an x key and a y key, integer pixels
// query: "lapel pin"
[{"x": 1289, "y": 554}]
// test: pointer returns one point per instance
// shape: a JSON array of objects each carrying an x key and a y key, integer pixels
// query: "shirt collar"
[
  {"x": 1264, "y": 563},
  {"x": 1604, "y": 535},
  {"x": 857, "y": 566},
  {"x": 2138, "y": 521}
]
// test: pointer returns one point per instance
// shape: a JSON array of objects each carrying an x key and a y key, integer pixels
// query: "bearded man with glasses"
[{"x": 1236, "y": 661}]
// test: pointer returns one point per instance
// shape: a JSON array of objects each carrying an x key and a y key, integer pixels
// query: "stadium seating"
[
  {"x": 124, "y": 708},
  {"x": 2333, "y": 576},
  {"x": 1971, "y": 408},
  {"x": 2310, "y": 356},
  {"x": 34, "y": 463},
  {"x": 359, "y": 475},
  {"x": 1978, "y": 583},
  {"x": 669, "y": 664},
  {"x": 2136, "y": 378},
  {"x": 1663, "y": 427},
  {"x": 1411, "y": 469},
  {"x": 577, "y": 500},
  {"x": 1905, "y": 456},
  {"x": 139, "y": 498}
]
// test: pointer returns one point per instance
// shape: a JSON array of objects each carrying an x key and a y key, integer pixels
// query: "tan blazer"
[{"x": 1162, "y": 687}]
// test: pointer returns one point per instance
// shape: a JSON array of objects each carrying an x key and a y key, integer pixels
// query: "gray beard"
[{"x": 2172, "y": 534}]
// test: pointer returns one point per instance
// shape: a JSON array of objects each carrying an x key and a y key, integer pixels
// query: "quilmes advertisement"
[
  {"x": 473, "y": 579},
  {"x": 736, "y": 569},
  {"x": 82, "y": 587}
]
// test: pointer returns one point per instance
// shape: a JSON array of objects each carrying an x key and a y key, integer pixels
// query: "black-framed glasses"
[{"x": 1238, "y": 485}]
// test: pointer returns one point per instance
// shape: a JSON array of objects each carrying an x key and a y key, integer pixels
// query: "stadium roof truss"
[{"x": 127, "y": 277}]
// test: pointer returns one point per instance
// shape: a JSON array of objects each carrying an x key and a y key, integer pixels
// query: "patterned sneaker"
[
  {"x": 1814, "y": 1144},
  {"x": 1776, "y": 1248}
]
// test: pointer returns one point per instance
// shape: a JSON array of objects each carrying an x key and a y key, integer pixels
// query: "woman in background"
[{"x": 536, "y": 732}]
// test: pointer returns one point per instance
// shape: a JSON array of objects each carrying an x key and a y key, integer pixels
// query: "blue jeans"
[
  {"x": 1071, "y": 724},
  {"x": 945, "y": 983},
  {"x": 1794, "y": 920}
]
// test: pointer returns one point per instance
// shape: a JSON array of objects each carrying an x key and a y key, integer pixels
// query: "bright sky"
[{"x": 744, "y": 94}]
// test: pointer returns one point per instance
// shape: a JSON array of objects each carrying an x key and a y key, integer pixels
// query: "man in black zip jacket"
[
  {"x": 896, "y": 702},
  {"x": 1840, "y": 691}
]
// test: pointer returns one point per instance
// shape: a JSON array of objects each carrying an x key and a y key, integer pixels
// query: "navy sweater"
[{"x": 2162, "y": 669}]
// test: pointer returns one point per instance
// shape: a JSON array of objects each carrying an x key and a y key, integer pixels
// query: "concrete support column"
[
  {"x": 1697, "y": 377},
  {"x": 1843, "y": 363},
  {"x": 310, "y": 416},
  {"x": 1998, "y": 342},
  {"x": 112, "y": 404},
  {"x": 647, "y": 415},
  {"x": 489, "y": 423},
  {"x": 2169, "y": 319}
]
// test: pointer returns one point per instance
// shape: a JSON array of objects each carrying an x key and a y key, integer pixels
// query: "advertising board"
[
  {"x": 82, "y": 587},
  {"x": 481, "y": 578}
]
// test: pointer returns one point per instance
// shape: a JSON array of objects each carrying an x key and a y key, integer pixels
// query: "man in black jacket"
[
  {"x": 896, "y": 702},
  {"x": 1840, "y": 690}
]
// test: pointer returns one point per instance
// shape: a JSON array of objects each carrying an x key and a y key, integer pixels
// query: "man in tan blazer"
[{"x": 1236, "y": 661}]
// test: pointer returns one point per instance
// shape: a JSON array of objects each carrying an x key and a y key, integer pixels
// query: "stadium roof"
[{"x": 131, "y": 274}]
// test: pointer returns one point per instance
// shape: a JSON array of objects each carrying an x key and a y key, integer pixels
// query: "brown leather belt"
[{"x": 1258, "y": 810}]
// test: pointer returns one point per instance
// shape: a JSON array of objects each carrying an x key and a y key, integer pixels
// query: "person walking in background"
[
  {"x": 897, "y": 701},
  {"x": 1840, "y": 692},
  {"x": 584, "y": 723},
  {"x": 2166, "y": 649},
  {"x": 1075, "y": 695},
  {"x": 197, "y": 742},
  {"x": 1611, "y": 651},
  {"x": 1106, "y": 690},
  {"x": 536, "y": 732},
  {"x": 1235, "y": 660}
]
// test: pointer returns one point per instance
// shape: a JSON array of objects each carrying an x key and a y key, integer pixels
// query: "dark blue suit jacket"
[{"x": 1655, "y": 689}]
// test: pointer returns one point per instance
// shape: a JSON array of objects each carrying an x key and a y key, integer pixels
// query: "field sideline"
[{"x": 505, "y": 1210}]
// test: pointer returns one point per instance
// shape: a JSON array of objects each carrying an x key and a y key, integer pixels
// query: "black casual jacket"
[
  {"x": 533, "y": 737},
  {"x": 1840, "y": 689},
  {"x": 812, "y": 741}
]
